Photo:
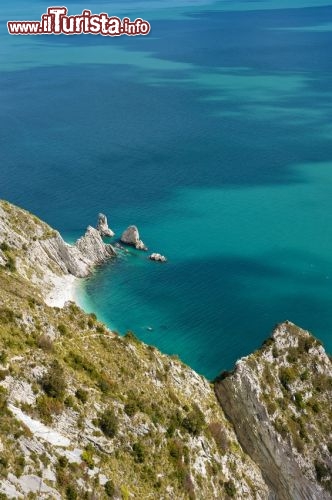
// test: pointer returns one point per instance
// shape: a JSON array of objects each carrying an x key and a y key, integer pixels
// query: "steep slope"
[
  {"x": 279, "y": 400},
  {"x": 88, "y": 414},
  {"x": 38, "y": 252}
]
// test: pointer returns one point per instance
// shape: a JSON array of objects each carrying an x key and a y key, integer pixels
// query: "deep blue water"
[{"x": 213, "y": 135}]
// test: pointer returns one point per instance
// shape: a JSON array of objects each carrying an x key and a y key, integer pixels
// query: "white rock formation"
[
  {"x": 102, "y": 226},
  {"x": 131, "y": 237},
  {"x": 158, "y": 257},
  {"x": 53, "y": 261},
  {"x": 92, "y": 248}
]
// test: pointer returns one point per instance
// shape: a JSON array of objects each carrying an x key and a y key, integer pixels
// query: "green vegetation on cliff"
[
  {"x": 85, "y": 413},
  {"x": 89, "y": 414},
  {"x": 289, "y": 412}
]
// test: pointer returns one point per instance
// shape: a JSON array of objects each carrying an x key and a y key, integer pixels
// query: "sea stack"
[
  {"x": 103, "y": 228},
  {"x": 131, "y": 237}
]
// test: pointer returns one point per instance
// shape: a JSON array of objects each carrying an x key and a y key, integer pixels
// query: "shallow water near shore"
[
  {"x": 213, "y": 136},
  {"x": 225, "y": 283}
]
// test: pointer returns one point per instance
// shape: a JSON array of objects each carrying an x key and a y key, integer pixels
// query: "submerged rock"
[
  {"x": 131, "y": 237},
  {"x": 158, "y": 257},
  {"x": 102, "y": 226}
]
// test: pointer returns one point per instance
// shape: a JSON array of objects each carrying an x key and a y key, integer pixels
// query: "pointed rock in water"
[
  {"x": 131, "y": 237},
  {"x": 103, "y": 228}
]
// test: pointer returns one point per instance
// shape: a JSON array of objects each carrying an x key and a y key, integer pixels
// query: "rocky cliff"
[
  {"x": 279, "y": 401},
  {"x": 86, "y": 413},
  {"x": 40, "y": 253}
]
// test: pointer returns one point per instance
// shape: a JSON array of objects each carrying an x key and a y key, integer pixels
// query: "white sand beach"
[{"x": 63, "y": 290}]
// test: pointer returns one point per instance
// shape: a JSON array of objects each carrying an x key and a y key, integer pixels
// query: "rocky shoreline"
[
  {"x": 275, "y": 443},
  {"x": 70, "y": 261}
]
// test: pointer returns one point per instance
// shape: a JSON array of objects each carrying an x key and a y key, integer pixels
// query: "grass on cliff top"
[{"x": 24, "y": 223}]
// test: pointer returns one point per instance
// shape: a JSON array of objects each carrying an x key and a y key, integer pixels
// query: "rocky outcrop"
[
  {"x": 131, "y": 237},
  {"x": 102, "y": 227},
  {"x": 78, "y": 259},
  {"x": 279, "y": 400},
  {"x": 158, "y": 257},
  {"x": 41, "y": 254},
  {"x": 66, "y": 257},
  {"x": 92, "y": 247}
]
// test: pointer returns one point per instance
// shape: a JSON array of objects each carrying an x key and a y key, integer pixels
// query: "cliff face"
[
  {"x": 85, "y": 413},
  {"x": 40, "y": 253},
  {"x": 88, "y": 414},
  {"x": 279, "y": 400}
]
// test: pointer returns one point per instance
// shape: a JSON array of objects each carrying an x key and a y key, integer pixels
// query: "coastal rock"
[
  {"x": 272, "y": 398},
  {"x": 92, "y": 247},
  {"x": 102, "y": 226},
  {"x": 62, "y": 255},
  {"x": 78, "y": 259},
  {"x": 40, "y": 253},
  {"x": 131, "y": 237},
  {"x": 158, "y": 257}
]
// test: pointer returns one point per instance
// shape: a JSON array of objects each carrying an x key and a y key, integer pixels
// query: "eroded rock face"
[
  {"x": 41, "y": 254},
  {"x": 272, "y": 399},
  {"x": 78, "y": 259},
  {"x": 102, "y": 226},
  {"x": 131, "y": 237},
  {"x": 67, "y": 257},
  {"x": 92, "y": 247}
]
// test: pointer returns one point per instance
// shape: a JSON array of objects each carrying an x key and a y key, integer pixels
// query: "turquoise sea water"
[{"x": 213, "y": 135}]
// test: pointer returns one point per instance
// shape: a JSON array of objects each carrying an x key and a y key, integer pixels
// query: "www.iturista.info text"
[{"x": 56, "y": 22}]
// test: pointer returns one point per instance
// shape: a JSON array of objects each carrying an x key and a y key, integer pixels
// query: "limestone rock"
[
  {"x": 42, "y": 256},
  {"x": 78, "y": 259},
  {"x": 269, "y": 399},
  {"x": 92, "y": 247},
  {"x": 158, "y": 257},
  {"x": 131, "y": 237},
  {"x": 102, "y": 226}
]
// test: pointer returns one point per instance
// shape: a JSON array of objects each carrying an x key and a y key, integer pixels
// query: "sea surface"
[{"x": 213, "y": 135}]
